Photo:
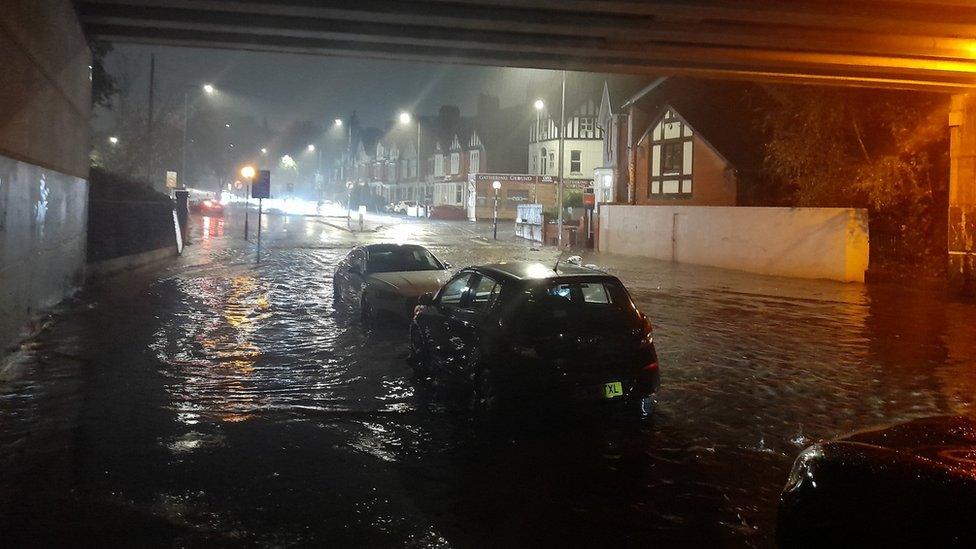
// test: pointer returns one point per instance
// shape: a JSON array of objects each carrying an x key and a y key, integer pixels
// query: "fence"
[{"x": 119, "y": 228}]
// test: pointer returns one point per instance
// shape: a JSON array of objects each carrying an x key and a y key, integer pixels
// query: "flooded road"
[{"x": 213, "y": 400}]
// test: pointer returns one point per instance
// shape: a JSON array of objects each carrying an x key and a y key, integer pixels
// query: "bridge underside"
[{"x": 891, "y": 43}]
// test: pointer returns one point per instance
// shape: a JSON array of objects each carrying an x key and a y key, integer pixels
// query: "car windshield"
[{"x": 401, "y": 258}]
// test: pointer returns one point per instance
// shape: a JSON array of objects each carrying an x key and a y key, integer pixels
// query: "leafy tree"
[
  {"x": 883, "y": 150},
  {"x": 103, "y": 83}
]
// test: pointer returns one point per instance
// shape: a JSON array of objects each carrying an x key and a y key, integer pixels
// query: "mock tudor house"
[{"x": 679, "y": 142}]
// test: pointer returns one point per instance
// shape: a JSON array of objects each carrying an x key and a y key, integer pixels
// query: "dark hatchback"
[
  {"x": 907, "y": 485},
  {"x": 523, "y": 334}
]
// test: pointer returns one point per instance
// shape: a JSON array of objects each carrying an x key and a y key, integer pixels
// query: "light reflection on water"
[{"x": 283, "y": 422}]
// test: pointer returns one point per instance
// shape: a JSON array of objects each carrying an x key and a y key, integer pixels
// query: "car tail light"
[
  {"x": 647, "y": 337},
  {"x": 651, "y": 367}
]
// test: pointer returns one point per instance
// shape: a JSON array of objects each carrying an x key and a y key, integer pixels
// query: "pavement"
[{"x": 217, "y": 400}]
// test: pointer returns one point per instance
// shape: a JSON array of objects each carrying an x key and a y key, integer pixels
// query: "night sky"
[{"x": 286, "y": 87}]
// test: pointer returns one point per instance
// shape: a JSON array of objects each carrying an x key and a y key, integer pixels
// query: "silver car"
[{"x": 387, "y": 279}]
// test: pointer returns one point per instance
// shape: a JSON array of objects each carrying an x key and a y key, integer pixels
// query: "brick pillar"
[{"x": 962, "y": 195}]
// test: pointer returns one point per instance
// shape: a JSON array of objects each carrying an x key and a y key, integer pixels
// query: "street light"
[
  {"x": 113, "y": 140},
  {"x": 247, "y": 172},
  {"x": 338, "y": 122},
  {"x": 264, "y": 150},
  {"x": 405, "y": 119},
  {"x": 495, "y": 185},
  {"x": 539, "y": 104},
  {"x": 207, "y": 89},
  {"x": 311, "y": 148}
]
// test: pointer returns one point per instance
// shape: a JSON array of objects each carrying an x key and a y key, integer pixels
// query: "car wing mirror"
[
  {"x": 426, "y": 299},
  {"x": 447, "y": 265}
]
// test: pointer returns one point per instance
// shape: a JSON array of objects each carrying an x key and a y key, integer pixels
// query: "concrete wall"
[
  {"x": 829, "y": 243},
  {"x": 45, "y": 93}
]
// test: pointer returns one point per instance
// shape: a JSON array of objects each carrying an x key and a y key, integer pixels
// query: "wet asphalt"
[{"x": 213, "y": 400}]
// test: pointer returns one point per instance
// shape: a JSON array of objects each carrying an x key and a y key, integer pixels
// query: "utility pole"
[
  {"x": 559, "y": 193},
  {"x": 186, "y": 116},
  {"x": 149, "y": 119}
]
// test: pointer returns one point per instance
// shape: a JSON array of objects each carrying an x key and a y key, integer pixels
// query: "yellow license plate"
[{"x": 613, "y": 389}]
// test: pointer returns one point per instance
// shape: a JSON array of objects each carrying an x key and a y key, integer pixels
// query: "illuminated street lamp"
[
  {"x": 338, "y": 123},
  {"x": 247, "y": 172},
  {"x": 405, "y": 118},
  {"x": 495, "y": 185},
  {"x": 264, "y": 150},
  {"x": 539, "y": 104},
  {"x": 311, "y": 148},
  {"x": 207, "y": 89},
  {"x": 113, "y": 140}
]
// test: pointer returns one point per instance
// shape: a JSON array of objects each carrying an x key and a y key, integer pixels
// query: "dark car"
[
  {"x": 908, "y": 485},
  {"x": 524, "y": 333}
]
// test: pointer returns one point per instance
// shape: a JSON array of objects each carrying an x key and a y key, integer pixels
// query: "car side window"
[
  {"x": 482, "y": 294},
  {"x": 453, "y": 292}
]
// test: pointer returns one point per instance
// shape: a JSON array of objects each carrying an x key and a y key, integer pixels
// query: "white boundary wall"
[{"x": 830, "y": 243}]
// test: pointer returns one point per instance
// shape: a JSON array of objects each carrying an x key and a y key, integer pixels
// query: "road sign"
[
  {"x": 589, "y": 201},
  {"x": 262, "y": 185},
  {"x": 170, "y": 180}
]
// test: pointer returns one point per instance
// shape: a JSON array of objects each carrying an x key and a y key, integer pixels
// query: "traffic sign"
[{"x": 262, "y": 185}]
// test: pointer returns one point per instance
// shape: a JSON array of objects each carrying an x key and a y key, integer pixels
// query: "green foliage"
[
  {"x": 104, "y": 86},
  {"x": 883, "y": 150},
  {"x": 572, "y": 198}
]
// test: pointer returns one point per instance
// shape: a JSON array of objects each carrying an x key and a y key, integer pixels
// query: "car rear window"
[{"x": 568, "y": 305}]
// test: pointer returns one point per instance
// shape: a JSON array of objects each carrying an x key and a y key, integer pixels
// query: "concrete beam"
[{"x": 895, "y": 43}]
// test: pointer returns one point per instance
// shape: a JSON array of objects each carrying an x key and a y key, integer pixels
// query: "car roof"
[
  {"x": 532, "y": 270},
  {"x": 386, "y": 247}
]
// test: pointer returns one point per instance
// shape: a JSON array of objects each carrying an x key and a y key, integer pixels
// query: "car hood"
[
  {"x": 942, "y": 440},
  {"x": 412, "y": 283}
]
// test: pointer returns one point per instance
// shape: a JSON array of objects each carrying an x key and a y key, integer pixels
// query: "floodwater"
[{"x": 219, "y": 401}]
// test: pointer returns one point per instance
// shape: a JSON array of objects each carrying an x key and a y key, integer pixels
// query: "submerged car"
[
  {"x": 524, "y": 333},
  {"x": 387, "y": 279},
  {"x": 907, "y": 485},
  {"x": 207, "y": 207}
]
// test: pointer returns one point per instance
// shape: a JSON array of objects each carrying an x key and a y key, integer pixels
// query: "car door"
[
  {"x": 353, "y": 277},
  {"x": 443, "y": 346},
  {"x": 464, "y": 326}
]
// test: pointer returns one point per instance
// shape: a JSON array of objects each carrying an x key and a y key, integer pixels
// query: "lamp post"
[
  {"x": 494, "y": 218},
  {"x": 539, "y": 105},
  {"x": 247, "y": 172},
  {"x": 207, "y": 89},
  {"x": 405, "y": 119},
  {"x": 562, "y": 130}
]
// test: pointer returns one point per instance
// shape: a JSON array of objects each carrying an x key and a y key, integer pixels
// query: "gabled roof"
[{"x": 724, "y": 114}]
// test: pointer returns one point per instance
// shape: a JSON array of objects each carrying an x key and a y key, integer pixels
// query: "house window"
[
  {"x": 455, "y": 163},
  {"x": 474, "y": 162},
  {"x": 585, "y": 126},
  {"x": 552, "y": 162},
  {"x": 671, "y": 157},
  {"x": 458, "y": 194},
  {"x": 439, "y": 164},
  {"x": 535, "y": 163},
  {"x": 575, "y": 162},
  {"x": 670, "y": 150},
  {"x": 542, "y": 162}
]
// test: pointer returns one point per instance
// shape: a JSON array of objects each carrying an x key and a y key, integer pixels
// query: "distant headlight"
[
  {"x": 387, "y": 294},
  {"x": 801, "y": 467}
]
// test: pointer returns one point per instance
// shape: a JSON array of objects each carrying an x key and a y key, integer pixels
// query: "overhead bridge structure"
[{"x": 899, "y": 43}]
